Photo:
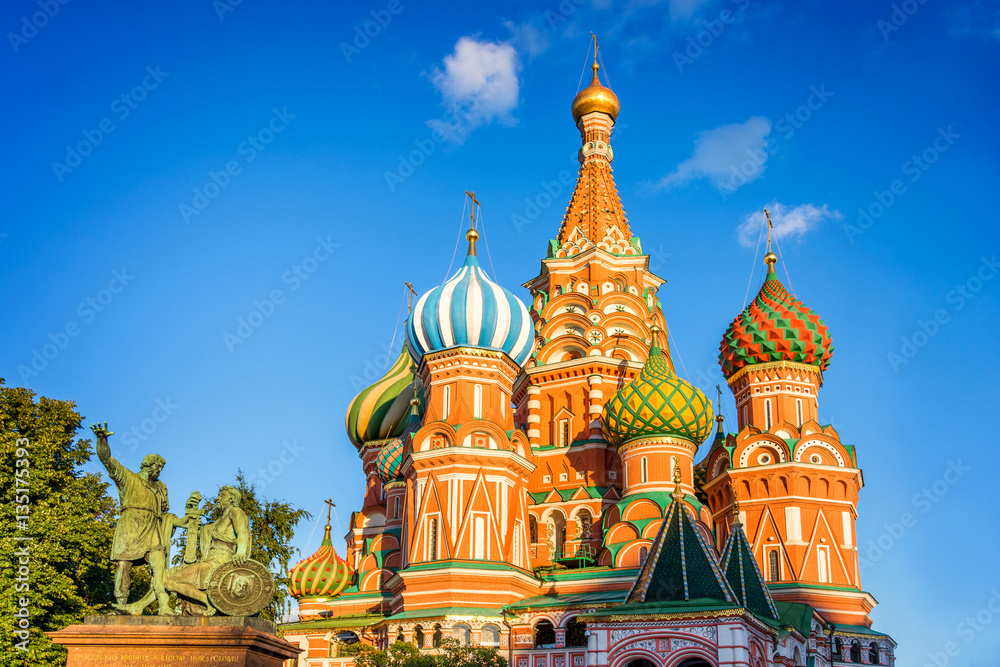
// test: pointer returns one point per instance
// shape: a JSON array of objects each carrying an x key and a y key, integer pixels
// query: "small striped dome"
[
  {"x": 470, "y": 310},
  {"x": 322, "y": 574},
  {"x": 379, "y": 412},
  {"x": 390, "y": 458}
]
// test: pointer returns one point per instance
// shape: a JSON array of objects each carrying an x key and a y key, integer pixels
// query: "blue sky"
[{"x": 175, "y": 167}]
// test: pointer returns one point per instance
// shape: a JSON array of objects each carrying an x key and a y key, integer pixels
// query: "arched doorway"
[
  {"x": 641, "y": 662},
  {"x": 694, "y": 662}
]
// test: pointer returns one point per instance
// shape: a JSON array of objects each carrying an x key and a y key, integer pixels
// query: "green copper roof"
[
  {"x": 680, "y": 565},
  {"x": 744, "y": 575}
]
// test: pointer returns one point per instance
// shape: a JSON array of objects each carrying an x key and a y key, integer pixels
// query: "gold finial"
[
  {"x": 770, "y": 258},
  {"x": 718, "y": 408},
  {"x": 677, "y": 493},
  {"x": 472, "y": 235},
  {"x": 595, "y": 97},
  {"x": 414, "y": 401},
  {"x": 736, "y": 506}
]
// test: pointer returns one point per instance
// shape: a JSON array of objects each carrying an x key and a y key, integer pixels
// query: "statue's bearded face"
[{"x": 154, "y": 471}]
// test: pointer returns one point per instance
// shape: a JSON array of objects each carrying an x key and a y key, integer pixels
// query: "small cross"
[
  {"x": 329, "y": 506},
  {"x": 413, "y": 293},
  {"x": 475, "y": 203}
]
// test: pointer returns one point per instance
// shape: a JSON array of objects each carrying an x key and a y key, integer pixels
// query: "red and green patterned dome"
[
  {"x": 775, "y": 327},
  {"x": 322, "y": 574},
  {"x": 657, "y": 403}
]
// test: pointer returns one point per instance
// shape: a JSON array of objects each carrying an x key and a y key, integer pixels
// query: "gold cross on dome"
[
  {"x": 475, "y": 203},
  {"x": 329, "y": 506}
]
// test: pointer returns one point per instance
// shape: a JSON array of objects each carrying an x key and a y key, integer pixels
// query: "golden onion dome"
[{"x": 595, "y": 97}]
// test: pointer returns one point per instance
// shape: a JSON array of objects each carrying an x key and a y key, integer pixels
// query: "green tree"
[
  {"x": 272, "y": 527},
  {"x": 69, "y": 525}
]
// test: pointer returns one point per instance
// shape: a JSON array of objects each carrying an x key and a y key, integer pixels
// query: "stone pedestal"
[{"x": 164, "y": 641}]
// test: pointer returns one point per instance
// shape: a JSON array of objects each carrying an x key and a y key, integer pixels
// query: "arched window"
[
  {"x": 564, "y": 433},
  {"x": 798, "y": 412},
  {"x": 418, "y": 636},
  {"x": 460, "y": 632},
  {"x": 576, "y": 633},
  {"x": 773, "y": 567},
  {"x": 477, "y": 402},
  {"x": 395, "y": 507},
  {"x": 479, "y": 537},
  {"x": 644, "y": 476},
  {"x": 855, "y": 651},
  {"x": 873, "y": 656},
  {"x": 838, "y": 649},
  {"x": 399, "y": 634},
  {"x": 532, "y": 530},
  {"x": 432, "y": 539},
  {"x": 767, "y": 413},
  {"x": 545, "y": 634},
  {"x": 489, "y": 636},
  {"x": 436, "y": 637},
  {"x": 446, "y": 402},
  {"x": 643, "y": 555}
]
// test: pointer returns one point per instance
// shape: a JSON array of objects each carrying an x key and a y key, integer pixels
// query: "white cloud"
[
  {"x": 478, "y": 86},
  {"x": 788, "y": 222},
  {"x": 729, "y": 156}
]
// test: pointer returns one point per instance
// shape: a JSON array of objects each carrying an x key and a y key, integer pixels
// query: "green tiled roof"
[
  {"x": 744, "y": 575},
  {"x": 680, "y": 565},
  {"x": 594, "y": 492},
  {"x": 569, "y": 600},
  {"x": 338, "y": 622}
]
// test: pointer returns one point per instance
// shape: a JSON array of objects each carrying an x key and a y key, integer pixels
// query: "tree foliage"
[
  {"x": 70, "y": 522},
  {"x": 402, "y": 654},
  {"x": 272, "y": 527}
]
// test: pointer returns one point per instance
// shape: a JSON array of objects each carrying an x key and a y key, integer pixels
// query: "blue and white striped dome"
[{"x": 471, "y": 310}]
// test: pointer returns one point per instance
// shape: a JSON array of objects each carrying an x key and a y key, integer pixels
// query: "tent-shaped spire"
[
  {"x": 743, "y": 574},
  {"x": 681, "y": 566}
]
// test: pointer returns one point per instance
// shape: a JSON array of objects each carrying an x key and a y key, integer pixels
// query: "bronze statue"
[
  {"x": 141, "y": 534},
  {"x": 223, "y": 541}
]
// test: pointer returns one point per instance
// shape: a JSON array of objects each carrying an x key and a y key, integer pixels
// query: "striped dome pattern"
[
  {"x": 775, "y": 327},
  {"x": 322, "y": 574},
  {"x": 379, "y": 411},
  {"x": 470, "y": 310},
  {"x": 657, "y": 403}
]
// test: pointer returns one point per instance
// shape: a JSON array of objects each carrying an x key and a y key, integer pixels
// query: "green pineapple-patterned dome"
[
  {"x": 775, "y": 327},
  {"x": 657, "y": 403}
]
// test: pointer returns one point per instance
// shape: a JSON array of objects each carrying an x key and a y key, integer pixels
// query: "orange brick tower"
[{"x": 797, "y": 482}]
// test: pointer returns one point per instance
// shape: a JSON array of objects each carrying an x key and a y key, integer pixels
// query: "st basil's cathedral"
[{"x": 534, "y": 483}]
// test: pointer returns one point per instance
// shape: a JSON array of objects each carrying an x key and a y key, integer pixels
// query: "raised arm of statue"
[{"x": 103, "y": 449}]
